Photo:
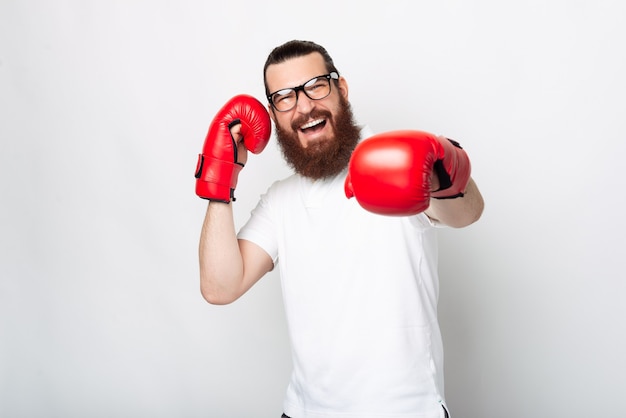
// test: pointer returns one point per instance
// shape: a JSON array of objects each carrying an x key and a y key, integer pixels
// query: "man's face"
[{"x": 316, "y": 136}]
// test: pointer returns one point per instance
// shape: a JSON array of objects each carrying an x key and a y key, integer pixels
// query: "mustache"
[{"x": 315, "y": 114}]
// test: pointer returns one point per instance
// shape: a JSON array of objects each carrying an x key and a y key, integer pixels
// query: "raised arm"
[{"x": 229, "y": 267}]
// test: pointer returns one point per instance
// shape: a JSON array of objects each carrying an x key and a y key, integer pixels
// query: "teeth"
[{"x": 312, "y": 123}]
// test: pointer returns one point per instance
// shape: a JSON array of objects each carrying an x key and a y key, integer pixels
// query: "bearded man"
[{"x": 359, "y": 276}]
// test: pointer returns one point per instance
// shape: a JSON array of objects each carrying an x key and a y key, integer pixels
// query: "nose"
[{"x": 303, "y": 103}]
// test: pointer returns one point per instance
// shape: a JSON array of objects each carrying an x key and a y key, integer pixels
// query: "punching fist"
[
  {"x": 391, "y": 173},
  {"x": 218, "y": 166}
]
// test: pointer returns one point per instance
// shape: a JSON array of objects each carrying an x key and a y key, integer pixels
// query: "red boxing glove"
[
  {"x": 390, "y": 173},
  {"x": 218, "y": 169}
]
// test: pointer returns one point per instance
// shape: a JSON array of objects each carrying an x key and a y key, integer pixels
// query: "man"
[{"x": 359, "y": 276}]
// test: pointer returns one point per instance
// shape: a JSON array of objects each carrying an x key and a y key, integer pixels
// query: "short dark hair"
[{"x": 294, "y": 49}]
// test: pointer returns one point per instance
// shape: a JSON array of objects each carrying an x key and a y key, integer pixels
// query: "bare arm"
[
  {"x": 458, "y": 212},
  {"x": 228, "y": 266}
]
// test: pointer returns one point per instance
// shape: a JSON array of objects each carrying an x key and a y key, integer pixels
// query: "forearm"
[
  {"x": 221, "y": 264},
  {"x": 458, "y": 212}
]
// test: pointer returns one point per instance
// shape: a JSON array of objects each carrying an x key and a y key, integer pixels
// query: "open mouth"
[{"x": 313, "y": 126}]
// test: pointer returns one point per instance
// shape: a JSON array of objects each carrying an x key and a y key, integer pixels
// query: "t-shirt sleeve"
[{"x": 261, "y": 228}]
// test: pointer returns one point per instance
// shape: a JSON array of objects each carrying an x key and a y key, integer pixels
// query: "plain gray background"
[{"x": 104, "y": 106}]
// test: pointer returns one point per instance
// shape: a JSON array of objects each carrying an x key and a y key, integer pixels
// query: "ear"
[{"x": 343, "y": 87}]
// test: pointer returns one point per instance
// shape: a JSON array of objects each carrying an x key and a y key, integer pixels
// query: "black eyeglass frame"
[{"x": 333, "y": 75}]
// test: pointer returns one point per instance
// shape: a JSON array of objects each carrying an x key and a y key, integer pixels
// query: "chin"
[
  {"x": 319, "y": 145},
  {"x": 323, "y": 138}
]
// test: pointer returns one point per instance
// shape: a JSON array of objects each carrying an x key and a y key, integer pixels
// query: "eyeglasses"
[{"x": 316, "y": 88}]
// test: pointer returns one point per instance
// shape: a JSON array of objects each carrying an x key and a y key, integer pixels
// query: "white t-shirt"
[{"x": 360, "y": 293}]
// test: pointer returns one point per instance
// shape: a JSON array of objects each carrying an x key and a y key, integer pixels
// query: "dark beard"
[{"x": 326, "y": 158}]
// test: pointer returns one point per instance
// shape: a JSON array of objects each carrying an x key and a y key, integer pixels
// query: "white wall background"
[{"x": 104, "y": 106}]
